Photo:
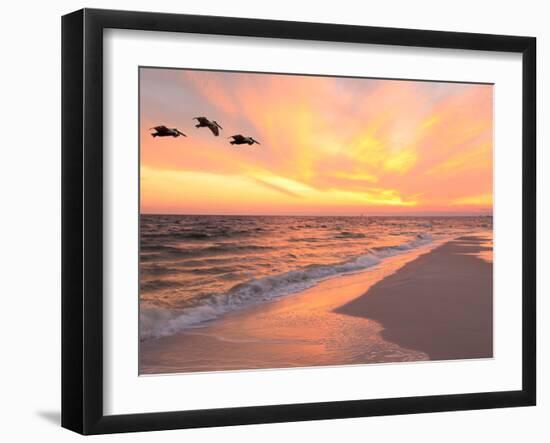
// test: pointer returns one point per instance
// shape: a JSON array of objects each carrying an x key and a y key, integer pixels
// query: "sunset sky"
[{"x": 329, "y": 146}]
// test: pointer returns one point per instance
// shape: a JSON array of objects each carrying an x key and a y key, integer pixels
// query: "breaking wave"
[{"x": 157, "y": 321}]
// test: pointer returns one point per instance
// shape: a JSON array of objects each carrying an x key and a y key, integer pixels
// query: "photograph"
[
  {"x": 293, "y": 221},
  {"x": 269, "y": 220}
]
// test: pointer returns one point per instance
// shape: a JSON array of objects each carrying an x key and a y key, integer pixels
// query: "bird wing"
[
  {"x": 237, "y": 137},
  {"x": 214, "y": 130},
  {"x": 160, "y": 128}
]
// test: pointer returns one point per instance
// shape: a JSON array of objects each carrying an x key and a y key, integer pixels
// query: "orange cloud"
[{"x": 324, "y": 143}]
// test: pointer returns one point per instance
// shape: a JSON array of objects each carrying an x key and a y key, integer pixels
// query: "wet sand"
[
  {"x": 422, "y": 305},
  {"x": 440, "y": 304}
]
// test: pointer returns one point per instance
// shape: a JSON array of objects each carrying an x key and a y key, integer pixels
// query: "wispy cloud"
[
  {"x": 325, "y": 141},
  {"x": 276, "y": 188}
]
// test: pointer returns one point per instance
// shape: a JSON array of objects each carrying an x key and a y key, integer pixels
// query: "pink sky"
[{"x": 328, "y": 145}]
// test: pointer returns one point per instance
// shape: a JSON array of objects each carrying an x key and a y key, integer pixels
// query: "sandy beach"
[
  {"x": 440, "y": 304},
  {"x": 427, "y": 304}
]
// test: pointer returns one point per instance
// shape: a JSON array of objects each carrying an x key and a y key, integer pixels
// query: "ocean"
[{"x": 194, "y": 269}]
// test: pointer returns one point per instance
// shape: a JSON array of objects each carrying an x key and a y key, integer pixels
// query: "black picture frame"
[{"x": 82, "y": 220}]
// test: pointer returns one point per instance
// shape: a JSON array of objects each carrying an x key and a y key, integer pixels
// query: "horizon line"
[{"x": 327, "y": 215}]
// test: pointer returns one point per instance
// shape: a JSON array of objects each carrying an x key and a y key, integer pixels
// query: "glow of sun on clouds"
[
  {"x": 376, "y": 154},
  {"x": 202, "y": 192},
  {"x": 371, "y": 196},
  {"x": 429, "y": 122},
  {"x": 475, "y": 200},
  {"x": 400, "y": 162},
  {"x": 356, "y": 176},
  {"x": 368, "y": 149},
  {"x": 475, "y": 158},
  {"x": 328, "y": 145},
  {"x": 259, "y": 194}
]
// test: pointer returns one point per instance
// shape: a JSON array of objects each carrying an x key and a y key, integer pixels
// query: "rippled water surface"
[{"x": 194, "y": 269}]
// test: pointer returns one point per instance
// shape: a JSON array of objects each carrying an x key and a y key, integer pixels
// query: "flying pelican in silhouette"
[
  {"x": 163, "y": 131},
  {"x": 205, "y": 123},
  {"x": 241, "y": 140}
]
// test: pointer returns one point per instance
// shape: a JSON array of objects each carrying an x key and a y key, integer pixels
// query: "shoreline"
[
  {"x": 440, "y": 304},
  {"x": 326, "y": 325}
]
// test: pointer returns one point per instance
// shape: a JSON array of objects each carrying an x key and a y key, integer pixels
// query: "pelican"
[
  {"x": 163, "y": 131},
  {"x": 205, "y": 123},
  {"x": 241, "y": 140}
]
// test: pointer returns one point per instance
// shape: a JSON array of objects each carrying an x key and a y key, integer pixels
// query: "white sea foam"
[{"x": 157, "y": 321}]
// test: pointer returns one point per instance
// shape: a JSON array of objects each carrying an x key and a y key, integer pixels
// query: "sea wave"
[
  {"x": 158, "y": 321},
  {"x": 347, "y": 234},
  {"x": 216, "y": 249}
]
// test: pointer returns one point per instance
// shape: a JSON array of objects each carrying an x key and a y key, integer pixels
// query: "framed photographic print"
[{"x": 269, "y": 221}]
